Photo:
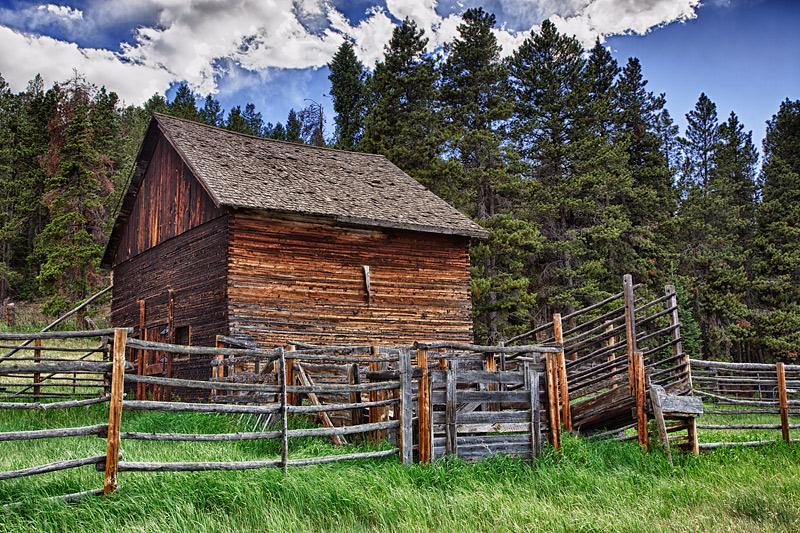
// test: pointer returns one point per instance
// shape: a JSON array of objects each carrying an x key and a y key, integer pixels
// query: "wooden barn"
[{"x": 221, "y": 233}]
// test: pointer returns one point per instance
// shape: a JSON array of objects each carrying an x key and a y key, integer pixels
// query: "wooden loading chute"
[{"x": 613, "y": 351}]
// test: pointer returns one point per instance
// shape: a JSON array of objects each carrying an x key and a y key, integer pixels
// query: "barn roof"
[{"x": 243, "y": 171}]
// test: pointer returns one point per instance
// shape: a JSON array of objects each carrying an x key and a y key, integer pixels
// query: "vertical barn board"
[
  {"x": 115, "y": 410},
  {"x": 407, "y": 410},
  {"x": 451, "y": 409},
  {"x": 630, "y": 328},
  {"x": 140, "y": 388},
  {"x": 536, "y": 433},
  {"x": 784, "y": 402},
  {"x": 424, "y": 407}
]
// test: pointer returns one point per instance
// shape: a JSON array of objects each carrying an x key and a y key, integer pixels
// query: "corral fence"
[
  {"x": 612, "y": 352},
  {"x": 442, "y": 404},
  {"x": 734, "y": 391}
]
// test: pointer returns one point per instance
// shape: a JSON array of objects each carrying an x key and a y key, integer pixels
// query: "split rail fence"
[
  {"x": 396, "y": 394},
  {"x": 737, "y": 391}
]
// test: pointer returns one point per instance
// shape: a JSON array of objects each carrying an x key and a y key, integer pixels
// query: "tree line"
[{"x": 576, "y": 169}]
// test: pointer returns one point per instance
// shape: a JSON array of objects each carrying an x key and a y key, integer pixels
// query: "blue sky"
[{"x": 744, "y": 54}]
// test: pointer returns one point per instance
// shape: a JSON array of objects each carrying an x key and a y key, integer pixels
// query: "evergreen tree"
[
  {"x": 183, "y": 105},
  {"x": 212, "y": 113},
  {"x": 237, "y": 122},
  {"x": 253, "y": 119},
  {"x": 700, "y": 144},
  {"x": 348, "y": 94},
  {"x": 70, "y": 246},
  {"x": 777, "y": 241},
  {"x": 278, "y": 132},
  {"x": 476, "y": 100},
  {"x": 293, "y": 127},
  {"x": 401, "y": 122}
]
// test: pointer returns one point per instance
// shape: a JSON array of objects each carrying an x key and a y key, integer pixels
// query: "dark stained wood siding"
[
  {"x": 304, "y": 281},
  {"x": 193, "y": 264},
  {"x": 170, "y": 201}
]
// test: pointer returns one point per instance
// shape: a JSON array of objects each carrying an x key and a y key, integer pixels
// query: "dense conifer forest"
[{"x": 568, "y": 158}]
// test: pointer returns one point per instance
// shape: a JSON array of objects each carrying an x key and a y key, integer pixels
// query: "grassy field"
[{"x": 590, "y": 486}]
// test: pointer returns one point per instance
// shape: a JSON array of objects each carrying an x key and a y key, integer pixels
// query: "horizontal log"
[
  {"x": 310, "y": 409},
  {"x": 208, "y": 385},
  {"x": 740, "y": 366},
  {"x": 44, "y": 335},
  {"x": 52, "y": 467},
  {"x": 535, "y": 348},
  {"x": 53, "y": 405},
  {"x": 95, "y": 367},
  {"x": 715, "y": 445},
  {"x": 735, "y": 401},
  {"x": 53, "y": 433},
  {"x": 747, "y": 426},
  {"x": 484, "y": 417},
  {"x": 131, "y": 466},
  {"x": 198, "y": 407},
  {"x": 74, "y": 497},
  {"x": 138, "y": 344},
  {"x": 343, "y": 457}
]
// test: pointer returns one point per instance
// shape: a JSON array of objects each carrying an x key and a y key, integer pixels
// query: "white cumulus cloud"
[{"x": 197, "y": 40}]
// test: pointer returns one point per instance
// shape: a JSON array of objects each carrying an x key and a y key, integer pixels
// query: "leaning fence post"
[
  {"x": 784, "y": 402},
  {"x": 406, "y": 409},
  {"x": 533, "y": 379},
  {"x": 630, "y": 329},
  {"x": 115, "y": 410},
  {"x": 284, "y": 411}
]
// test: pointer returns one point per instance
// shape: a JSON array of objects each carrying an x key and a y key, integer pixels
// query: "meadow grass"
[{"x": 590, "y": 486}]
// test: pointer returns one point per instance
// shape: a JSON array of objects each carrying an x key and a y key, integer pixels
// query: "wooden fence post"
[
  {"x": 566, "y": 415},
  {"x": 451, "y": 440},
  {"x": 675, "y": 335},
  {"x": 353, "y": 378},
  {"x": 641, "y": 415},
  {"x": 424, "y": 407},
  {"x": 115, "y": 410},
  {"x": 406, "y": 408},
  {"x": 10, "y": 322},
  {"x": 284, "y": 411},
  {"x": 611, "y": 342},
  {"x": 630, "y": 329},
  {"x": 219, "y": 370},
  {"x": 784, "y": 402},
  {"x": 552, "y": 400},
  {"x": 37, "y": 377}
]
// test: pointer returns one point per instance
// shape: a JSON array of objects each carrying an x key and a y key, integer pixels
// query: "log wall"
[
  {"x": 305, "y": 281},
  {"x": 193, "y": 265}
]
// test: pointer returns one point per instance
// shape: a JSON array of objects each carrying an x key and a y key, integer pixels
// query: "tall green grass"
[{"x": 589, "y": 486}]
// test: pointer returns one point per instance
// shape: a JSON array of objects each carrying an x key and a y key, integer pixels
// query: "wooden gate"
[{"x": 479, "y": 413}]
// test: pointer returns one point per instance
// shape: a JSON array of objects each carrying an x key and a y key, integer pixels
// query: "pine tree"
[
  {"x": 401, "y": 122},
  {"x": 212, "y": 113},
  {"x": 278, "y": 132},
  {"x": 476, "y": 100},
  {"x": 348, "y": 93},
  {"x": 777, "y": 241},
  {"x": 237, "y": 122},
  {"x": 183, "y": 105},
  {"x": 253, "y": 119},
  {"x": 293, "y": 127},
  {"x": 70, "y": 246}
]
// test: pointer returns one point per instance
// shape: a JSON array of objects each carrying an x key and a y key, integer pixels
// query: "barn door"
[{"x": 156, "y": 362}]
